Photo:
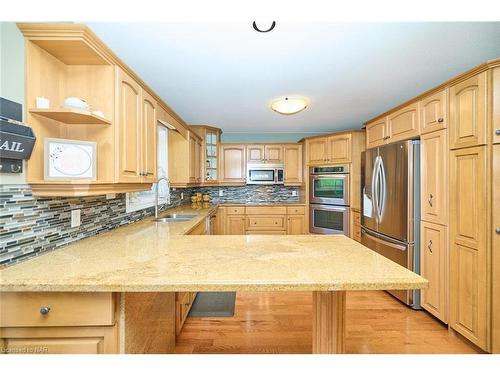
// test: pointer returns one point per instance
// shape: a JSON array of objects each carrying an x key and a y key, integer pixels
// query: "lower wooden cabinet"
[
  {"x": 434, "y": 267},
  {"x": 58, "y": 323},
  {"x": 296, "y": 224},
  {"x": 183, "y": 303},
  {"x": 356, "y": 225},
  {"x": 235, "y": 224}
]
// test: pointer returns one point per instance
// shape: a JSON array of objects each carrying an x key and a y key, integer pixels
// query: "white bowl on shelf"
[{"x": 76, "y": 103}]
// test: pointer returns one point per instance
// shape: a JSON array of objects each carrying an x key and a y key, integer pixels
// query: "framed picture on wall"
[{"x": 68, "y": 159}]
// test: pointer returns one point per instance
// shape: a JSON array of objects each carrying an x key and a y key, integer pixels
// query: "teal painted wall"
[
  {"x": 12, "y": 62},
  {"x": 263, "y": 137}
]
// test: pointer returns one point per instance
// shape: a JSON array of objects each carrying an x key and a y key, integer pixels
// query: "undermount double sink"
[{"x": 174, "y": 217}]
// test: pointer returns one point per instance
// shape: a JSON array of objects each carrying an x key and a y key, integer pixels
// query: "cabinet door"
[
  {"x": 293, "y": 164},
  {"x": 434, "y": 177},
  {"x": 233, "y": 164},
  {"x": 235, "y": 224},
  {"x": 376, "y": 133},
  {"x": 192, "y": 158},
  {"x": 55, "y": 345},
  {"x": 403, "y": 124},
  {"x": 295, "y": 224},
  {"x": 468, "y": 112},
  {"x": 317, "y": 150},
  {"x": 433, "y": 112},
  {"x": 495, "y": 337},
  {"x": 129, "y": 128},
  {"x": 197, "y": 160},
  {"x": 148, "y": 143},
  {"x": 496, "y": 105},
  {"x": 255, "y": 153},
  {"x": 468, "y": 248},
  {"x": 339, "y": 148},
  {"x": 434, "y": 267},
  {"x": 273, "y": 153}
]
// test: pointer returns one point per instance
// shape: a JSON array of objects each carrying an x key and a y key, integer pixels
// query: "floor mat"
[{"x": 209, "y": 304}]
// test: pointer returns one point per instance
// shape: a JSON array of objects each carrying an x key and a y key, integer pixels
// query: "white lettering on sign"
[{"x": 14, "y": 146}]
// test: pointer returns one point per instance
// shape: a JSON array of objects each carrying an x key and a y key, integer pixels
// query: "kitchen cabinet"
[
  {"x": 148, "y": 139},
  {"x": 339, "y": 148},
  {"x": 293, "y": 164},
  {"x": 356, "y": 225},
  {"x": 130, "y": 167},
  {"x": 434, "y": 267},
  {"x": 433, "y": 112},
  {"x": 72, "y": 323},
  {"x": 268, "y": 153},
  {"x": 183, "y": 303},
  {"x": 220, "y": 221},
  {"x": 317, "y": 150},
  {"x": 264, "y": 220},
  {"x": 468, "y": 112},
  {"x": 376, "y": 133},
  {"x": 296, "y": 224},
  {"x": 235, "y": 224},
  {"x": 233, "y": 163},
  {"x": 255, "y": 153},
  {"x": 200, "y": 229},
  {"x": 403, "y": 124},
  {"x": 434, "y": 177},
  {"x": 469, "y": 293},
  {"x": 495, "y": 245},
  {"x": 184, "y": 159},
  {"x": 209, "y": 153}
]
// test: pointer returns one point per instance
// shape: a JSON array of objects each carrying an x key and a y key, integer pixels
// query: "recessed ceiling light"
[{"x": 289, "y": 106}]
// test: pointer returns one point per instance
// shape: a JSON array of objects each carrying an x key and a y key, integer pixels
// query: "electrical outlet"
[
  {"x": 75, "y": 218},
  {"x": 182, "y": 196},
  {"x": 294, "y": 193},
  {"x": 110, "y": 196},
  {"x": 221, "y": 193}
]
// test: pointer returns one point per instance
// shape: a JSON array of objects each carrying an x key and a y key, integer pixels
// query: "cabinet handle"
[
  {"x": 497, "y": 131},
  {"x": 429, "y": 246},
  {"x": 497, "y": 230},
  {"x": 430, "y": 199},
  {"x": 440, "y": 119},
  {"x": 45, "y": 310}
]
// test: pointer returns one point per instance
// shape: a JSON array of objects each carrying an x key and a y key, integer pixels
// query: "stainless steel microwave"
[{"x": 265, "y": 174}]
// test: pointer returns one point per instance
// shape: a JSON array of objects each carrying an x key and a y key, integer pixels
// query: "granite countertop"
[{"x": 151, "y": 256}]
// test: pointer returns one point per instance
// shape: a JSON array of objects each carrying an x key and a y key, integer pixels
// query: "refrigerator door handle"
[
  {"x": 374, "y": 188},
  {"x": 380, "y": 240},
  {"x": 383, "y": 189}
]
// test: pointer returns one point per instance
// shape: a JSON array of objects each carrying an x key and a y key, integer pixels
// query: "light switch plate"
[
  {"x": 221, "y": 193},
  {"x": 75, "y": 218},
  {"x": 294, "y": 193},
  {"x": 182, "y": 196},
  {"x": 110, "y": 196}
]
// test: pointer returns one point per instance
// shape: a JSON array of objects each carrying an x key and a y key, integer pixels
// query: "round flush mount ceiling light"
[{"x": 289, "y": 106}]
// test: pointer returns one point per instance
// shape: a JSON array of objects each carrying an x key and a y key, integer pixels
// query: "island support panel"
[{"x": 328, "y": 322}]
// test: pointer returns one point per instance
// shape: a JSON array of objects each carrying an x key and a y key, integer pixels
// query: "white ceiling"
[{"x": 226, "y": 74}]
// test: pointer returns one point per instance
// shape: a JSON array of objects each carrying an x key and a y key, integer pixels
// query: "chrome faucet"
[{"x": 158, "y": 193}]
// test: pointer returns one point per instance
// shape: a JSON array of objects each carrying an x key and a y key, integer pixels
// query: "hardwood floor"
[{"x": 281, "y": 322}]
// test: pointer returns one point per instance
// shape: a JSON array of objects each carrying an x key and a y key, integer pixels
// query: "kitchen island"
[{"x": 143, "y": 264}]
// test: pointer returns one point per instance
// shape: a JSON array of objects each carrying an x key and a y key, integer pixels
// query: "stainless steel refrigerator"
[{"x": 390, "y": 196}]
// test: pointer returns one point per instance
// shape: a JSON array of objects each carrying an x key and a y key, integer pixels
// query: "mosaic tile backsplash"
[{"x": 32, "y": 225}]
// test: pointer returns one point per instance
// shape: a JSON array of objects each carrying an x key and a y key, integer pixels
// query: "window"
[{"x": 144, "y": 199}]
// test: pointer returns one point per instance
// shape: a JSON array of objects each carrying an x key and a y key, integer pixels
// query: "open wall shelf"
[{"x": 71, "y": 116}]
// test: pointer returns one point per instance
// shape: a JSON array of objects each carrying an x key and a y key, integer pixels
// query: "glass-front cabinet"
[{"x": 210, "y": 160}]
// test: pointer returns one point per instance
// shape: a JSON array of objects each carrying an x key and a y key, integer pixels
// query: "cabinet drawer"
[
  {"x": 265, "y": 222},
  {"x": 235, "y": 210},
  {"x": 275, "y": 232},
  {"x": 266, "y": 210},
  {"x": 65, "y": 309},
  {"x": 295, "y": 210}
]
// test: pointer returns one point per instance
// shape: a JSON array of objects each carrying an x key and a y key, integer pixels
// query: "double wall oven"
[{"x": 329, "y": 199}]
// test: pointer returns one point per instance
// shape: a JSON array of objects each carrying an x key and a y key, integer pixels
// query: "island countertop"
[{"x": 150, "y": 256}]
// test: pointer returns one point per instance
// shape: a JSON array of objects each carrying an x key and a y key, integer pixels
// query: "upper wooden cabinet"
[
  {"x": 331, "y": 149},
  {"x": 255, "y": 153},
  {"x": 496, "y": 106},
  {"x": 434, "y": 177},
  {"x": 269, "y": 153},
  {"x": 433, "y": 112},
  {"x": 468, "y": 112},
  {"x": 376, "y": 133},
  {"x": 129, "y": 141},
  {"x": 317, "y": 150},
  {"x": 233, "y": 163},
  {"x": 339, "y": 148},
  {"x": 403, "y": 124},
  {"x": 184, "y": 159},
  {"x": 148, "y": 139},
  {"x": 495, "y": 233},
  {"x": 210, "y": 137},
  {"x": 293, "y": 164}
]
